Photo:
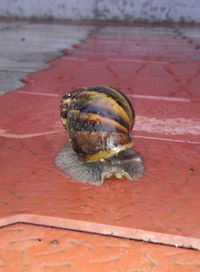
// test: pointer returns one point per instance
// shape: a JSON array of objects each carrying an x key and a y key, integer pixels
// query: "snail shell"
[{"x": 98, "y": 121}]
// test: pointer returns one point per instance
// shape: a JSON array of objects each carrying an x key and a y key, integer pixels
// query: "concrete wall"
[{"x": 132, "y": 10}]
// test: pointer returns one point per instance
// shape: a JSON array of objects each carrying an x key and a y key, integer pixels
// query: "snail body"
[{"x": 98, "y": 121}]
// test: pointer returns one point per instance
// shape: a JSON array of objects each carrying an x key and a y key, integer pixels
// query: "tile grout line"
[
  {"x": 166, "y": 139},
  {"x": 116, "y": 60},
  {"x": 103, "y": 229},
  {"x": 46, "y": 133},
  {"x": 138, "y": 96}
]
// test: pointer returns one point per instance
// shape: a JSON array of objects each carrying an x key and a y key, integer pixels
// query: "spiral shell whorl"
[{"x": 98, "y": 121}]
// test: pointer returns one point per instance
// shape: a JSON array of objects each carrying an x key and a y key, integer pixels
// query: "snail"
[{"x": 98, "y": 121}]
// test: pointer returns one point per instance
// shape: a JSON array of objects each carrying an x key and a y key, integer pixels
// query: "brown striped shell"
[{"x": 98, "y": 120}]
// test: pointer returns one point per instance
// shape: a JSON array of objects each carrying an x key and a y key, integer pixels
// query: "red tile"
[
  {"x": 36, "y": 248},
  {"x": 163, "y": 204},
  {"x": 165, "y": 200},
  {"x": 177, "y": 79}
]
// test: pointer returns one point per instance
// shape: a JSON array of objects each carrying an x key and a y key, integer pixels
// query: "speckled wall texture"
[{"x": 131, "y": 10}]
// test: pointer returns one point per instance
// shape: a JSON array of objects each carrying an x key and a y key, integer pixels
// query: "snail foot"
[
  {"x": 69, "y": 163},
  {"x": 126, "y": 164}
]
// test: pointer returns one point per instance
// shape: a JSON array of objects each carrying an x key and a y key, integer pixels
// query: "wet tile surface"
[
  {"x": 177, "y": 79},
  {"x": 36, "y": 248},
  {"x": 150, "y": 44},
  {"x": 158, "y": 202},
  {"x": 165, "y": 93},
  {"x": 25, "y": 47}
]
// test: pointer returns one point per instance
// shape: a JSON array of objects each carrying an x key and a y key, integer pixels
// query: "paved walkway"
[
  {"x": 159, "y": 69},
  {"x": 26, "y": 47}
]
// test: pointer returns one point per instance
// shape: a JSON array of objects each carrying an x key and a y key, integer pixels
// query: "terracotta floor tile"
[
  {"x": 36, "y": 248},
  {"x": 163, "y": 205}
]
